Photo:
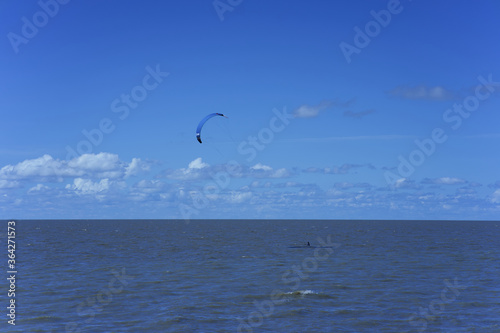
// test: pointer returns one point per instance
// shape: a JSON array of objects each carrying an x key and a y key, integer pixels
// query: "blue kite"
[{"x": 203, "y": 121}]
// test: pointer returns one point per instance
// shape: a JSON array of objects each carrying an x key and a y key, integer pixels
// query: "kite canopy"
[{"x": 203, "y": 121}]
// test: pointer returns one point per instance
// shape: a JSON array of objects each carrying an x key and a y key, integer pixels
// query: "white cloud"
[
  {"x": 309, "y": 111},
  {"x": 196, "y": 170},
  {"x": 44, "y": 166},
  {"x": 102, "y": 165},
  {"x": 264, "y": 171},
  {"x": 150, "y": 186},
  {"x": 95, "y": 162},
  {"x": 260, "y": 166},
  {"x": 101, "y": 189},
  {"x": 199, "y": 170},
  {"x": 239, "y": 197},
  {"x": 405, "y": 183},
  {"x": 38, "y": 188},
  {"x": 86, "y": 186},
  {"x": 136, "y": 167},
  {"x": 197, "y": 164},
  {"x": 279, "y": 190},
  {"x": 4, "y": 184},
  {"x": 281, "y": 173}
]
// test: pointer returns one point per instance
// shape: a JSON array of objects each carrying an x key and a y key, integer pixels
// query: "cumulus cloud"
[
  {"x": 86, "y": 186},
  {"x": 197, "y": 164},
  {"x": 83, "y": 186},
  {"x": 437, "y": 93},
  {"x": 95, "y": 162},
  {"x": 136, "y": 167},
  {"x": 259, "y": 187},
  {"x": 150, "y": 186},
  {"x": 260, "y": 166},
  {"x": 264, "y": 171},
  {"x": 44, "y": 166},
  {"x": 236, "y": 197},
  {"x": 5, "y": 184},
  {"x": 196, "y": 170},
  {"x": 102, "y": 165}
]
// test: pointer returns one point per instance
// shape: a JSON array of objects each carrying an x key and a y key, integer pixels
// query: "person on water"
[{"x": 308, "y": 244}]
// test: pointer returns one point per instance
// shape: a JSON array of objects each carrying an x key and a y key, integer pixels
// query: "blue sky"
[{"x": 337, "y": 110}]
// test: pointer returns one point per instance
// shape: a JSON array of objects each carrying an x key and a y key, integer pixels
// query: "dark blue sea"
[{"x": 254, "y": 276}]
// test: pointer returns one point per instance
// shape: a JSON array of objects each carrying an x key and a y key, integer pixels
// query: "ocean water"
[{"x": 255, "y": 276}]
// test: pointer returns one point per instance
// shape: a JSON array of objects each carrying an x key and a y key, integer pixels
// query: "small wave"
[
  {"x": 43, "y": 318},
  {"x": 301, "y": 292},
  {"x": 313, "y": 247}
]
